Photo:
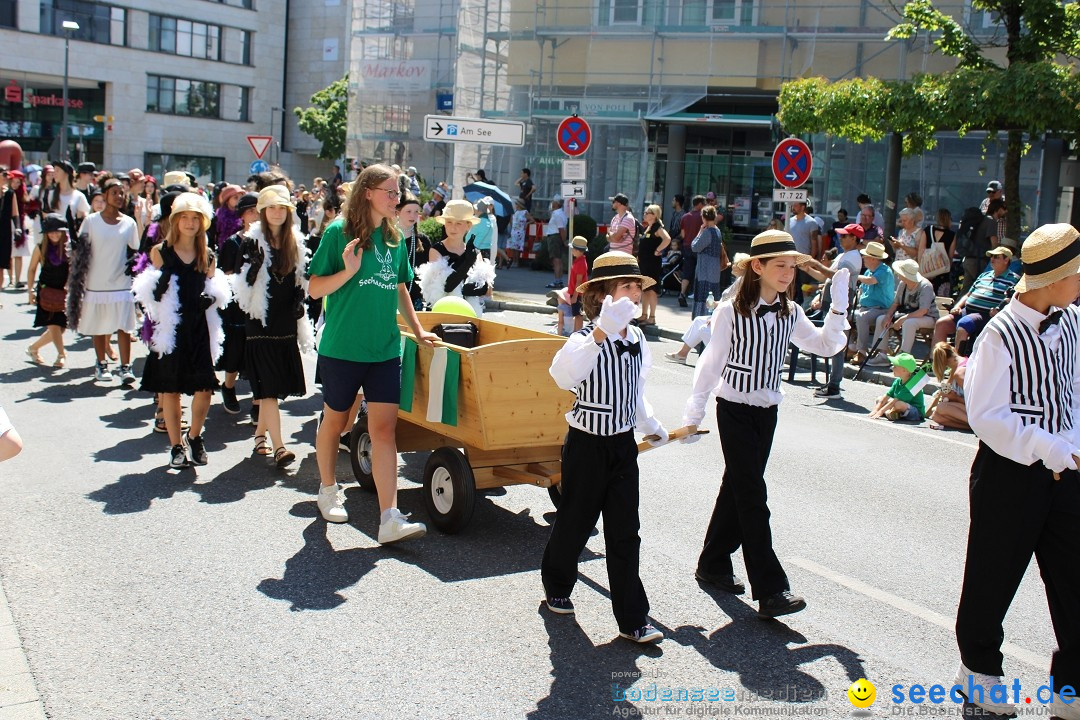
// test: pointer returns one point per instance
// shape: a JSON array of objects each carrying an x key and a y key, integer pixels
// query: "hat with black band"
[
  {"x": 613, "y": 265},
  {"x": 1050, "y": 253},
  {"x": 770, "y": 244}
]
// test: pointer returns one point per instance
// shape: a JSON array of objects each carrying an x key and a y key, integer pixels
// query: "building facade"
[{"x": 166, "y": 86}]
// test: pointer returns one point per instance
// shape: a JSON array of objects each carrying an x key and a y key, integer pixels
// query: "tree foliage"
[
  {"x": 1034, "y": 92},
  {"x": 327, "y": 118}
]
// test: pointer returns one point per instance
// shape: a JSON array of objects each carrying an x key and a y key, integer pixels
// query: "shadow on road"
[
  {"x": 758, "y": 651},
  {"x": 136, "y": 492}
]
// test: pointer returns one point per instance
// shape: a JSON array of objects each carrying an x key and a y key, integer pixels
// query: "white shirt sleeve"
[
  {"x": 574, "y": 361},
  {"x": 711, "y": 363},
  {"x": 987, "y": 395},
  {"x": 647, "y": 423},
  {"x": 825, "y": 341}
]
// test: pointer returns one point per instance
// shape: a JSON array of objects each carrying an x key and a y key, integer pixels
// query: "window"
[
  {"x": 718, "y": 12},
  {"x": 97, "y": 23},
  {"x": 246, "y": 4},
  {"x": 625, "y": 12},
  {"x": 8, "y": 14},
  {"x": 205, "y": 169},
  {"x": 980, "y": 21},
  {"x": 179, "y": 96},
  {"x": 184, "y": 37},
  {"x": 235, "y": 46}
]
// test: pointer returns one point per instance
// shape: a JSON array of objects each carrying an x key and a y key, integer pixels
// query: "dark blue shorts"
[{"x": 342, "y": 380}]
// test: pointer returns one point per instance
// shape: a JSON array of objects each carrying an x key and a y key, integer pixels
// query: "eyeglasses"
[{"x": 392, "y": 194}]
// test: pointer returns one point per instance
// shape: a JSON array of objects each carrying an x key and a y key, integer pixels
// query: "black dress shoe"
[
  {"x": 728, "y": 583},
  {"x": 782, "y": 603},
  {"x": 682, "y": 301}
]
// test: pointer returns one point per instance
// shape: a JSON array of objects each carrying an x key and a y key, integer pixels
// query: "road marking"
[{"x": 934, "y": 618}]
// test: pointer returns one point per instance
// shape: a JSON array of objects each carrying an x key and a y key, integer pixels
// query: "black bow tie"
[
  {"x": 1052, "y": 319},
  {"x": 764, "y": 310},
  {"x": 632, "y": 348}
]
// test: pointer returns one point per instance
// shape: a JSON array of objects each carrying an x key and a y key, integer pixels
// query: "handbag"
[
  {"x": 935, "y": 260},
  {"x": 52, "y": 299}
]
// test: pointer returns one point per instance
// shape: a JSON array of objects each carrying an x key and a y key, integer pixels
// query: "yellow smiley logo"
[{"x": 862, "y": 693}]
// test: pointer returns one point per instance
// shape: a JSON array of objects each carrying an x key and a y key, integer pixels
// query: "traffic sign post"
[
  {"x": 572, "y": 189},
  {"x": 573, "y": 136},
  {"x": 792, "y": 162},
  {"x": 784, "y": 195},
  {"x": 259, "y": 166},
  {"x": 446, "y": 129},
  {"x": 259, "y": 143}
]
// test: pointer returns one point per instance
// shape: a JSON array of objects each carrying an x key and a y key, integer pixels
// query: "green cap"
[{"x": 904, "y": 360}]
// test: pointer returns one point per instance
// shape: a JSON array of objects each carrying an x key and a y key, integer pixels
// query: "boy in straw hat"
[
  {"x": 1022, "y": 399},
  {"x": 604, "y": 364},
  {"x": 741, "y": 365}
]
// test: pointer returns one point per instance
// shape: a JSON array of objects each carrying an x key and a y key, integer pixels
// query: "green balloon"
[{"x": 454, "y": 305}]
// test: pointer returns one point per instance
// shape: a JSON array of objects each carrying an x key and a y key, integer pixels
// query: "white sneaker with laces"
[
  {"x": 397, "y": 527},
  {"x": 101, "y": 372},
  {"x": 126, "y": 375},
  {"x": 970, "y": 683},
  {"x": 332, "y": 504}
]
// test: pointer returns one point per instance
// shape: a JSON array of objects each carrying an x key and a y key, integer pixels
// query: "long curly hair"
[{"x": 357, "y": 212}]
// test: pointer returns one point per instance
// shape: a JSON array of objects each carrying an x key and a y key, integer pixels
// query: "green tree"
[
  {"x": 1031, "y": 92},
  {"x": 327, "y": 118}
]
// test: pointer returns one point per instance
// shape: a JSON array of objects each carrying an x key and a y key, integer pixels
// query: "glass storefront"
[{"x": 31, "y": 115}]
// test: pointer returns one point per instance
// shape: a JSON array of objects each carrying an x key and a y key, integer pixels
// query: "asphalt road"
[{"x": 142, "y": 593}]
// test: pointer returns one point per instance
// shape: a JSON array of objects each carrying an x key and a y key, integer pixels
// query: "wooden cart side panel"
[
  {"x": 521, "y": 403},
  {"x": 514, "y": 456}
]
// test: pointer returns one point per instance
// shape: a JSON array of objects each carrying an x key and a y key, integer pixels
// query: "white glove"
[
  {"x": 657, "y": 435},
  {"x": 615, "y": 315},
  {"x": 840, "y": 286},
  {"x": 692, "y": 438}
]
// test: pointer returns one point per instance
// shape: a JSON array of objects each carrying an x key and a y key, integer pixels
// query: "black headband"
[
  {"x": 777, "y": 246},
  {"x": 1055, "y": 261},
  {"x": 615, "y": 271}
]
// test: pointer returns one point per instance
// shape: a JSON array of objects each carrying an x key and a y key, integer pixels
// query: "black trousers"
[
  {"x": 599, "y": 475},
  {"x": 1018, "y": 511},
  {"x": 741, "y": 515}
]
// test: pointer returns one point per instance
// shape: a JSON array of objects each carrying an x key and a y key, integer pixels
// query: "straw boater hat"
[
  {"x": 770, "y": 244},
  {"x": 1050, "y": 253},
  {"x": 875, "y": 250},
  {"x": 908, "y": 269},
  {"x": 458, "y": 210},
  {"x": 616, "y": 264}
]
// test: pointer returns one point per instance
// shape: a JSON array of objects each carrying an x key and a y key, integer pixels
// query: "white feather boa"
[
  {"x": 165, "y": 314},
  {"x": 254, "y": 300},
  {"x": 432, "y": 279}
]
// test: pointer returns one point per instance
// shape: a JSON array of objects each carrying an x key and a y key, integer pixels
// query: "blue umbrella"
[{"x": 504, "y": 204}]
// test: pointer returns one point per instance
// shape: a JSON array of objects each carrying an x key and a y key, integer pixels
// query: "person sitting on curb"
[
  {"x": 947, "y": 409},
  {"x": 971, "y": 313},
  {"x": 876, "y": 289},
  {"x": 915, "y": 298},
  {"x": 700, "y": 330},
  {"x": 904, "y": 399}
]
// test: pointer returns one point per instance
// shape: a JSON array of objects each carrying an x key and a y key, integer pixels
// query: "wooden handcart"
[{"x": 510, "y": 424}]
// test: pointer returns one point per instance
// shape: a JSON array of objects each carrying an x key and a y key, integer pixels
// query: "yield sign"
[
  {"x": 792, "y": 162},
  {"x": 573, "y": 136},
  {"x": 259, "y": 143}
]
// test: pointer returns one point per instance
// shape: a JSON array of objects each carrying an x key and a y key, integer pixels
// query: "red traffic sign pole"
[
  {"x": 792, "y": 162},
  {"x": 573, "y": 136}
]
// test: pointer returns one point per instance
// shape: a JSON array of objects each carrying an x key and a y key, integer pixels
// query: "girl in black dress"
[
  {"x": 182, "y": 294},
  {"x": 270, "y": 288},
  {"x": 50, "y": 290},
  {"x": 654, "y": 242},
  {"x": 418, "y": 244}
]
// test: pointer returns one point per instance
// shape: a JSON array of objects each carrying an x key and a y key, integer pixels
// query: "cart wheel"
[
  {"x": 360, "y": 453},
  {"x": 449, "y": 489},
  {"x": 555, "y": 493}
]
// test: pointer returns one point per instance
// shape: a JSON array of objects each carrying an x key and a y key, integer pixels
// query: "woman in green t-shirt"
[{"x": 361, "y": 268}]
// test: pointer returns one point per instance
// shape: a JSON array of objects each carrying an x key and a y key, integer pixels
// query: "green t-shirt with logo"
[{"x": 361, "y": 315}]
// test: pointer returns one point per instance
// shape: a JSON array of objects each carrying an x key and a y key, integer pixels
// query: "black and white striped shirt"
[
  {"x": 758, "y": 349},
  {"x": 608, "y": 380},
  {"x": 1020, "y": 387}
]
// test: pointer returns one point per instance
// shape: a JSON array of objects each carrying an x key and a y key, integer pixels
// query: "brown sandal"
[
  {"x": 261, "y": 446},
  {"x": 284, "y": 456}
]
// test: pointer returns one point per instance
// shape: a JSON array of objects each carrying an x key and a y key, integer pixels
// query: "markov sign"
[{"x": 395, "y": 75}]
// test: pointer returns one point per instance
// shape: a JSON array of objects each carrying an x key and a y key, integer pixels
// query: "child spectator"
[
  {"x": 49, "y": 292},
  {"x": 518, "y": 225},
  {"x": 947, "y": 409},
  {"x": 569, "y": 298},
  {"x": 904, "y": 399},
  {"x": 607, "y": 359}
]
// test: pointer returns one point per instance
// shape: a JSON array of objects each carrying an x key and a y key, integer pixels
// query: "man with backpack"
[{"x": 978, "y": 235}]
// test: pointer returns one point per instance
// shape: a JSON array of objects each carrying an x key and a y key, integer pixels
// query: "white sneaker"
[
  {"x": 126, "y": 375},
  {"x": 969, "y": 681},
  {"x": 101, "y": 372},
  {"x": 879, "y": 360},
  {"x": 331, "y": 504},
  {"x": 397, "y": 527},
  {"x": 675, "y": 358}
]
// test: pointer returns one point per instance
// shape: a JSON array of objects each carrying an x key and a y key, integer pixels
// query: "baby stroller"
[{"x": 670, "y": 273}]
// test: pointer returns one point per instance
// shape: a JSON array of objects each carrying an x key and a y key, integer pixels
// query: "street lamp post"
[
  {"x": 272, "y": 143},
  {"x": 69, "y": 27}
]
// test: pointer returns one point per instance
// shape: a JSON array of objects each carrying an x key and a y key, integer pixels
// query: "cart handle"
[{"x": 673, "y": 435}]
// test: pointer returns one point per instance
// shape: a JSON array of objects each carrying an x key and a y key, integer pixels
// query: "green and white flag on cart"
[
  {"x": 443, "y": 377},
  {"x": 408, "y": 373}
]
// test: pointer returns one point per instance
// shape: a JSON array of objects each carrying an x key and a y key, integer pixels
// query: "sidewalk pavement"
[
  {"x": 522, "y": 290},
  {"x": 19, "y": 699}
]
